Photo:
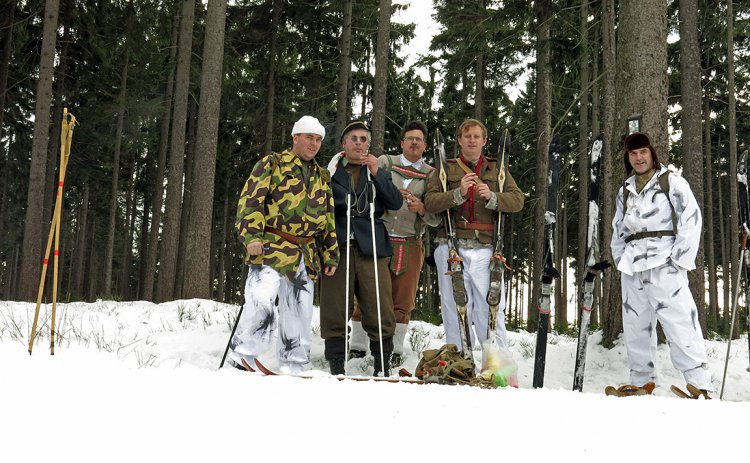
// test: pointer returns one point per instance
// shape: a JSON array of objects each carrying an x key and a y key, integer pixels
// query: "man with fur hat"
[
  {"x": 355, "y": 173},
  {"x": 656, "y": 234},
  {"x": 285, "y": 221}
]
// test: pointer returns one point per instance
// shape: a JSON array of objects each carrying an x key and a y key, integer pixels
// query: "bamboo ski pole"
[{"x": 66, "y": 137}]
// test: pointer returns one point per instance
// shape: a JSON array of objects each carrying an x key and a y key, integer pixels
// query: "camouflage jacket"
[{"x": 275, "y": 196}]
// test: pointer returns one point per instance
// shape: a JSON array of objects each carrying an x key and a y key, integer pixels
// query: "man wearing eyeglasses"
[
  {"x": 355, "y": 173},
  {"x": 474, "y": 201},
  {"x": 405, "y": 227}
]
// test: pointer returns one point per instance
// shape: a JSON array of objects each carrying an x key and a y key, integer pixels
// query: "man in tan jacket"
[
  {"x": 405, "y": 228},
  {"x": 473, "y": 200}
]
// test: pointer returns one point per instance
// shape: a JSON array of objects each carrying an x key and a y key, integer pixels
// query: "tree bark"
[
  {"x": 172, "y": 211},
  {"x": 380, "y": 86},
  {"x": 713, "y": 297},
  {"x": 583, "y": 151},
  {"x": 345, "y": 68},
  {"x": 734, "y": 222},
  {"x": 147, "y": 282},
  {"x": 543, "y": 127},
  {"x": 278, "y": 7},
  {"x": 692, "y": 143},
  {"x": 113, "y": 203},
  {"x": 34, "y": 222},
  {"x": 198, "y": 246},
  {"x": 610, "y": 306}
]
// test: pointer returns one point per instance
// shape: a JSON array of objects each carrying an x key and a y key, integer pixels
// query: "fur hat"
[
  {"x": 354, "y": 125},
  {"x": 635, "y": 141}
]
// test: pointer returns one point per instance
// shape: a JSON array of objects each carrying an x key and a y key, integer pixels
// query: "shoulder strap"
[{"x": 664, "y": 184}]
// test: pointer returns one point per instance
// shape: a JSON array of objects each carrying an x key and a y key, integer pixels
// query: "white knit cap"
[{"x": 308, "y": 124}]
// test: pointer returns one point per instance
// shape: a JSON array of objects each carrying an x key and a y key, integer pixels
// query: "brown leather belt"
[
  {"x": 298, "y": 240},
  {"x": 476, "y": 226}
]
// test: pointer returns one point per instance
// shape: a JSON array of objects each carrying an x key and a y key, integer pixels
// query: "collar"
[{"x": 406, "y": 163}]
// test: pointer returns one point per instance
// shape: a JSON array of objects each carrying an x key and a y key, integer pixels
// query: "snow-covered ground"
[{"x": 138, "y": 382}]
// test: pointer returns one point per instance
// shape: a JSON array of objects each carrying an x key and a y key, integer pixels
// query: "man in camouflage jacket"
[
  {"x": 285, "y": 220},
  {"x": 473, "y": 200}
]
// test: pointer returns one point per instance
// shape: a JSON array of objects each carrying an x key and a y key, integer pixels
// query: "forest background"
[{"x": 176, "y": 100}]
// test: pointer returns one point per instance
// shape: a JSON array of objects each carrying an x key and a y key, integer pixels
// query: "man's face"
[
  {"x": 356, "y": 144},
  {"x": 306, "y": 145},
  {"x": 641, "y": 160},
  {"x": 471, "y": 141},
  {"x": 413, "y": 145}
]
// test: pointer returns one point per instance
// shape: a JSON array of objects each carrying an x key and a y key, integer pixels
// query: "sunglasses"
[
  {"x": 414, "y": 139},
  {"x": 361, "y": 138}
]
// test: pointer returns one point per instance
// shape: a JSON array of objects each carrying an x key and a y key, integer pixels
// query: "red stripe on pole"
[
  {"x": 46, "y": 261},
  {"x": 60, "y": 184},
  {"x": 57, "y": 253}
]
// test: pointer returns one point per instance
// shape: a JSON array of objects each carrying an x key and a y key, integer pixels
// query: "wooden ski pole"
[{"x": 66, "y": 137}]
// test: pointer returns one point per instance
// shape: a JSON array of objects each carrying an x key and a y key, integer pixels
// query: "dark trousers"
[{"x": 361, "y": 284}]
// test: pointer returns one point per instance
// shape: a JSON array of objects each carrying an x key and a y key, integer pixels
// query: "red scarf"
[{"x": 469, "y": 204}]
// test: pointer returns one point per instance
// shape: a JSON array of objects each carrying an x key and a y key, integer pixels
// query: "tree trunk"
[
  {"x": 610, "y": 306},
  {"x": 479, "y": 86},
  {"x": 34, "y": 222},
  {"x": 127, "y": 247},
  {"x": 727, "y": 278},
  {"x": 187, "y": 195},
  {"x": 543, "y": 127},
  {"x": 147, "y": 282},
  {"x": 278, "y": 6},
  {"x": 80, "y": 255},
  {"x": 380, "y": 86},
  {"x": 198, "y": 247},
  {"x": 713, "y": 299},
  {"x": 583, "y": 152},
  {"x": 110, "y": 248},
  {"x": 345, "y": 68},
  {"x": 734, "y": 223},
  {"x": 172, "y": 210},
  {"x": 642, "y": 90},
  {"x": 692, "y": 143}
]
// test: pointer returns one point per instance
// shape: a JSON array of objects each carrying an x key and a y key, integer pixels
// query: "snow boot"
[
  {"x": 387, "y": 351},
  {"x": 336, "y": 365},
  {"x": 357, "y": 341},
  {"x": 397, "y": 359},
  {"x": 334, "y": 353}
]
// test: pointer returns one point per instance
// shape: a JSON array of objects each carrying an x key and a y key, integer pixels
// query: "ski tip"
[{"x": 247, "y": 367}]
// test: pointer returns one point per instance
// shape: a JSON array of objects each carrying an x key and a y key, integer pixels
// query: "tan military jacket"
[{"x": 436, "y": 201}]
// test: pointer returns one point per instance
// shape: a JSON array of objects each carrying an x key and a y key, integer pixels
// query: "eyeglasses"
[
  {"x": 414, "y": 139},
  {"x": 361, "y": 138}
]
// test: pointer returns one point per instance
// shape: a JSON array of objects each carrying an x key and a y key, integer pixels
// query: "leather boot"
[{"x": 387, "y": 351}]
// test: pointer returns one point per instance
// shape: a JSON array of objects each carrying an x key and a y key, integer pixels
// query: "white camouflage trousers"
[
  {"x": 274, "y": 304},
  {"x": 477, "y": 281},
  {"x": 662, "y": 294}
]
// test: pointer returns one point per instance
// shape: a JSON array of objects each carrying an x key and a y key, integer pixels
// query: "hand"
[
  {"x": 329, "y": 270},
  {"x": 255, "y": 248},
  {"x": 415, "y": 204},
  {"x": 467, "y": 181},
  {"x": 483, "y": 190},
  {"x": 371, "y": 161}
]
